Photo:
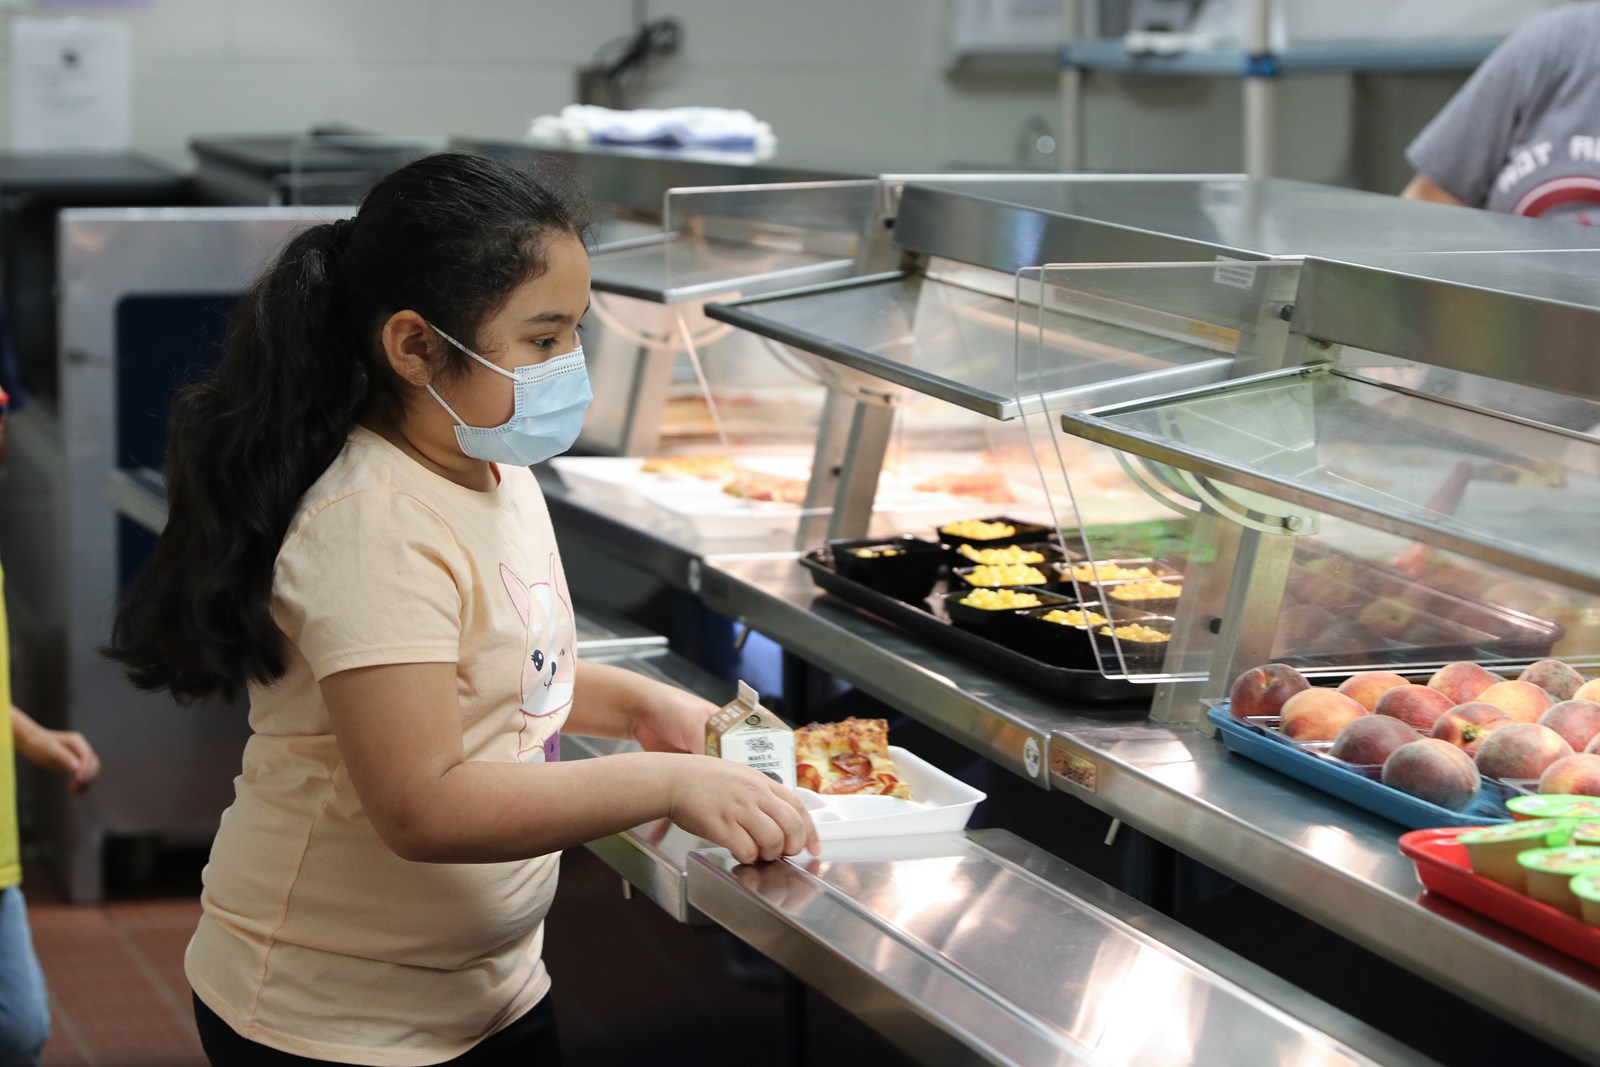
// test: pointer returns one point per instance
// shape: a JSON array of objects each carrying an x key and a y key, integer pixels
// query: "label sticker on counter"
[
  {"x": 1030, "y": 757},
  {"x": 1073, "y": 766},
  {"x": 1234, "y": 272}
]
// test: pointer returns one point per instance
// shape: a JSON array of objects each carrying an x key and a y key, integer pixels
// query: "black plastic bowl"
[
  {"x": 1026, "y": 533},
  {"x": 997, "y": 624},
  {"x": 1053, "y": 642},
  {"x": 908, "y": 574}
]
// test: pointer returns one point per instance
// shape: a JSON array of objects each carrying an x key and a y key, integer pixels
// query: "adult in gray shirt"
[{"x": 1523, "y": 134}]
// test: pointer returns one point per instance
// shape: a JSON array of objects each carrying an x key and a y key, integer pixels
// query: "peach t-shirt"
[{"x": 316, "y": 939}]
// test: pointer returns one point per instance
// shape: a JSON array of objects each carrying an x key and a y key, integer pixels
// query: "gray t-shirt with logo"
[{"x": 1523, "y": 134}]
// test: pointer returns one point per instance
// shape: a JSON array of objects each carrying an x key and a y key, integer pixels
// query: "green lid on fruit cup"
[
  {"x": 1587, "y": 887},
  {"x": 1580, "y": 860},
  {"x": 1555, "y": 805},
  {"x": 1586, "y": 832},
  {"x": 1549, "y": 833}
]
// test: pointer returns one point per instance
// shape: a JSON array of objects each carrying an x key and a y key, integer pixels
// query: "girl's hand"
[
  {"x": 672, "y": 720},
  {"x": 739, "y": 808},
  {"x": 61, "y": 751}
]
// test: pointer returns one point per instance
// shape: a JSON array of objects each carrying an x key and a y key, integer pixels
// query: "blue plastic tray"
[{"x": 1271, "y": 749}]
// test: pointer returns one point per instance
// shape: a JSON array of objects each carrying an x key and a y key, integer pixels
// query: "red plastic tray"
[{"x": 1442, "y": 866}]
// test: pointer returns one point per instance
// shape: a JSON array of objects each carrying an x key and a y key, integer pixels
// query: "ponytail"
[
  {"x": 243, "y": 446},
  {"x": 451, "y": 236}
]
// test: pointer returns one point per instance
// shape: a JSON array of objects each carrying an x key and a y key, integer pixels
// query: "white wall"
[{"x": 842, "y": 81}]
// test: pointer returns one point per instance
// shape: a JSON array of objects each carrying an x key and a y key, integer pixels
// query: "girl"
[{"x": 354, "y": 536}]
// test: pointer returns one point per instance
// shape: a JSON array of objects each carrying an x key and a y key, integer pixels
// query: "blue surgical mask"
[{"x": 551, "y": 400}]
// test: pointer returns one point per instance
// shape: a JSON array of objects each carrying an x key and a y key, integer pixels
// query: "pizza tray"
[
  {"x": 941, "y": 804},
  {"x": 929, "y": 620}
]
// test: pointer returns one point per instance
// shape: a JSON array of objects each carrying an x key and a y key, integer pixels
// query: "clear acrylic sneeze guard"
[
  {"x": 1381, "y": 528},
  {"x": 711, "y": 430}
]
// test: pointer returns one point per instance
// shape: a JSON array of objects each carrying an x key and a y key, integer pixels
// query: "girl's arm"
[
  {"x": 613, "y": 702},
  {"x": 399, "y": 732}
]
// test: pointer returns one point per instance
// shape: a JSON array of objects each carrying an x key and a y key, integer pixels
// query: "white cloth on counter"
[{"x": 681, "y": 127}]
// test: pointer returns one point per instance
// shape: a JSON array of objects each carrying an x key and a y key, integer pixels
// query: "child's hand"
[
  {"x": 741, "y": 809},
  {"x": 60, "y": 751},
  {"x": 673, "y": 721}
]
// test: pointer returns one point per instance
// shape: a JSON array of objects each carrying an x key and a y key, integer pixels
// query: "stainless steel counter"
[
  {"x": 981, "y": 949},
  {"x": 1331, "y": 862}
]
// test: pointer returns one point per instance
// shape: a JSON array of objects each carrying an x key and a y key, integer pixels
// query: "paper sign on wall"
[{"x": 71, "y": 84}]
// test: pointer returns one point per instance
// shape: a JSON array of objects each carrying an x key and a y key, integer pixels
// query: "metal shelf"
[{"x": 1313, "y": 57}]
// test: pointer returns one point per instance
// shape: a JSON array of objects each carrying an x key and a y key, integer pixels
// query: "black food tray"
[{"x": 927, "y": 620}]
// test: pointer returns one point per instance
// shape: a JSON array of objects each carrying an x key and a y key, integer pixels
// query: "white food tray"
[{"x": 942, "y": 804}]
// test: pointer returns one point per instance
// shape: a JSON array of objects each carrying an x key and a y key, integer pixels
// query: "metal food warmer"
[{"x": 1184, "y": 386}]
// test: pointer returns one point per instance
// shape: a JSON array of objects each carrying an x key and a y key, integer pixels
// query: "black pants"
[{"x": 531, "y": 1041}]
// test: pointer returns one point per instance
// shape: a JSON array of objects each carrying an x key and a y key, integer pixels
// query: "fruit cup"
[
  {"x": 1550, "y": 872},
  {"x": 1493, "y": 850},
  {"x": 1586, "y": 887}
]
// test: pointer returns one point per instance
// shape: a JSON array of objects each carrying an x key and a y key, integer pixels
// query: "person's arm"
[
  {"x": 1467, "y": 144},
  {"x": 61, "y": 751},
  {"x": 1422, "y": 187},
  {"x": 613, "y": 702},
  {"x": 399, "y": 731}
]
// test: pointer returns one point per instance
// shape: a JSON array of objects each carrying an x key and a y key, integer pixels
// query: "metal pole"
[
  {"x": 1260, "y": 93},
  {"x": 1069, "y": 147}
]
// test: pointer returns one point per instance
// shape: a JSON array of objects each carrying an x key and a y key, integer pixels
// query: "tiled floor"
[
  {"x": 632, "y": 986},
  {"x": 117, "y": 993}
]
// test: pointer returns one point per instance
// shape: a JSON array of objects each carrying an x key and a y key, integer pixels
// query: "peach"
[
  {"x": 1462, "y": 681},
  {"x": 1366, "y": 687},
  {"x": 1318, "y": 715},
  {"x": 1522, "y": 701},
  {"x": 1587, "y": 691},
  {"x": 1263, "y": 690},
  {"x": 1578, "y": 774},
  {"x": 1297, "y": 625},
  {"x": 1466, "y": 725},
  {"x": 1347, "y": 641},
  {"x": 1593, "y": 746},
  {"x": 1520, "y": 750},
  {"x": 1554, "y": 677},
  {"x": 1418, "y": 706},
  {"x": 1435, "y": 771},
  {"x": 1578, "y": 721},
  {"x": 1371, "y": 738},
  {"x": 1389, "y": 616}
]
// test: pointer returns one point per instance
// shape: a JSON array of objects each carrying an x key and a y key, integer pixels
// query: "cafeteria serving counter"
[{"x": 979, "y": 947}]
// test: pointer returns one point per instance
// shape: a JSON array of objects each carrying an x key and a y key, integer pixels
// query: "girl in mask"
[{"x": 354, "y": 539}]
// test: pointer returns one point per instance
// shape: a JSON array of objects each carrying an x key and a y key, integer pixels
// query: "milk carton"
[{"x": 748, "y": 733}]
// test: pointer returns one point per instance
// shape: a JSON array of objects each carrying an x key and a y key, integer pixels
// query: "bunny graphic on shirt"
[{"x": 549, "y": 666}]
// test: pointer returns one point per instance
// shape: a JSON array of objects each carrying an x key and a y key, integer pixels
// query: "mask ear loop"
[
  {"x": 470, "y": 352},
  {"x": 459, "y": 420}
]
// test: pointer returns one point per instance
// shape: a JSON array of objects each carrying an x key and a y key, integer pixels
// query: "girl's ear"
[{"x": 408, "y": 344}]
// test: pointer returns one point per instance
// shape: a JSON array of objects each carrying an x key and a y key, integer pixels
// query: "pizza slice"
[
  {"x": 770, "y": 488},
  {"x": 705, "y": 468},
  {"x": 849, "y": 757}
]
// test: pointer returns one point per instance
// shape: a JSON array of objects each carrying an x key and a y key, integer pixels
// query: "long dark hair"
[{"x": 449, "y": 236}]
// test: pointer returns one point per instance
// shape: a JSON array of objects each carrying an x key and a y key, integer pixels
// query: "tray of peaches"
[{"x": 1447, "y": 750}]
